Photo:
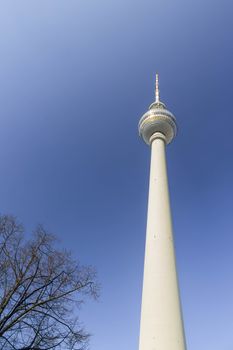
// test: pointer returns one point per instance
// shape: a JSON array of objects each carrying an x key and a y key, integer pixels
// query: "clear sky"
[{"x": 75, "y": 77}]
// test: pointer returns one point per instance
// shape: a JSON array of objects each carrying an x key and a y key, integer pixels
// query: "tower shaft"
[{"x": 161, "y": 325}]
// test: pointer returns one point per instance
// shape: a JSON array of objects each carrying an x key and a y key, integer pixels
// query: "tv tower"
[{"x": 161, "y": 326}]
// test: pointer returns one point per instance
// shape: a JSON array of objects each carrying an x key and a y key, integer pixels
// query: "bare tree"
[{"x": 41, "y": 289}]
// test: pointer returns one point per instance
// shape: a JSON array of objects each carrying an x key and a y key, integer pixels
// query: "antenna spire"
[{"x": 157, "y": 88}]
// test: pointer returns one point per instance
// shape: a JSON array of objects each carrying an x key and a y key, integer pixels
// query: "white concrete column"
[{"x": 161, "y": 325}]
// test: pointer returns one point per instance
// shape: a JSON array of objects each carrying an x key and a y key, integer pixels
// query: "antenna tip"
[{"x": 157, "y": 88}]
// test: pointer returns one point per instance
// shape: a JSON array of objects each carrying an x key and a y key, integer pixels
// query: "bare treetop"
[{"x": 41, "y": 290}]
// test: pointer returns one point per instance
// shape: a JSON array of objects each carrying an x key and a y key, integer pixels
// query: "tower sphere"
[{"x": 158, "y": 119}]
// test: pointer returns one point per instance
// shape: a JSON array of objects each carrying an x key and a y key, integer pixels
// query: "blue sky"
[{"x": 75, "y": 77}]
